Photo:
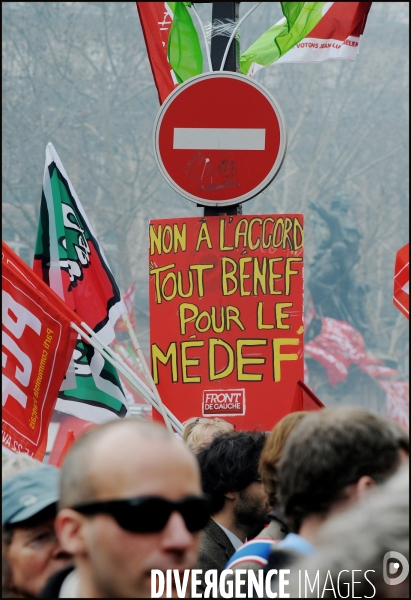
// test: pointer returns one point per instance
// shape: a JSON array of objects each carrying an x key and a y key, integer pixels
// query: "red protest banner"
[
  {"x": 37, "y": 344},
  {"x": 226, "y": 316}
]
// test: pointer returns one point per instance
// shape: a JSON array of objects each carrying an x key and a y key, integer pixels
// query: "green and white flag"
[
  {"x": 70, "y": 260},
  {"x": 309, "y": 32}
]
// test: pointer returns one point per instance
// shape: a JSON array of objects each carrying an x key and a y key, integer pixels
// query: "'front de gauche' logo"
[{"x": 223, "y": 402}]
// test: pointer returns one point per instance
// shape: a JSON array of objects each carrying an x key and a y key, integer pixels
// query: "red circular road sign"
[{"x": 219, "y": 139}]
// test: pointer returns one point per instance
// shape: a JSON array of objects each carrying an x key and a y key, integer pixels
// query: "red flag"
[
  {"x": 401, "y": 297},
  {"x": 305, "y": 399},
  {"x": 338, "y": 346},
  {"x": 37, "y": 344},
  {"x": 156, "y": 21},
  {"x": 70, "y": 439},
  {"x": 397, "y": 401},
  {"x": 128, "y": 298},
  {"x": 375, "y": 369},
  {"x": 68, "y": 431},
  {"x": 344, "y": 20}
]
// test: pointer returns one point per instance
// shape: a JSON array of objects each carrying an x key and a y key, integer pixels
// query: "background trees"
[{"x": 77, "y": 74}]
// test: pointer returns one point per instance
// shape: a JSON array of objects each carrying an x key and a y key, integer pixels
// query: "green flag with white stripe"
[{"x": 69, "y": 258}]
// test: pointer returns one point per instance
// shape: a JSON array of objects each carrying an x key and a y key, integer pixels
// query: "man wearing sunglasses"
[{"x": 131, "y": 501}]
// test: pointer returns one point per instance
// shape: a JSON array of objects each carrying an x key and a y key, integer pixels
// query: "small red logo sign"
[{"x": 224, "y": 402}]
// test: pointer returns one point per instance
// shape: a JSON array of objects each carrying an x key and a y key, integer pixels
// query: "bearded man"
[{"x": 229, "y": 473}]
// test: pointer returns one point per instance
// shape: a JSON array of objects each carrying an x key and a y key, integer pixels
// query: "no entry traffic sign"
[{"x": 219, "y": 139}]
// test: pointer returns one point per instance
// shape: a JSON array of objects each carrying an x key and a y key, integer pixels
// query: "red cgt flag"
[
  {"x": 305, "y": 399},
  {"x": 401, "y": 297},
  {"x": 37, "y": 344}
]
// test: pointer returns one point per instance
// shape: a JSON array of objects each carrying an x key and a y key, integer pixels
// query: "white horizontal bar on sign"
[{"x": 221, "y": 138}]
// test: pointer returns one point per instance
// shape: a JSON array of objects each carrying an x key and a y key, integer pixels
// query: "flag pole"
[
  {"x": 146, "y": 370},
  {"x": 224, "y": 57},
  {"x": 236, "y": 28},
  {"x": 118, "y": 363},
  {"x": 92, "y": 338}
]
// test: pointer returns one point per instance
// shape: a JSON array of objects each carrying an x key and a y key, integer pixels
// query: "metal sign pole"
[{"x": 225, "y": 12}]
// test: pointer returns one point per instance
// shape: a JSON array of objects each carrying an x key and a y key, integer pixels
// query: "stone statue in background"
[{"x": 333, "y": 284}]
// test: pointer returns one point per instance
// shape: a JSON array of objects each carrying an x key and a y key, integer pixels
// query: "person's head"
[
  {"x": 357, "y": 542},
  {"x": 31, "y": 549},
  {"x": 11, "y": 464},
  {"x": 403, "y": 440},
  {"x": 130, "y": 501},
  {"x": 199, "y": 432},
  {"x": 229, "y": 472},
  {"x": 272, "y": 451},
  {"x": 331, "y": 459}
]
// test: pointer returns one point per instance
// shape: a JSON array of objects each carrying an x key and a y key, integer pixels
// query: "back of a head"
[
  {"x": 16, "y": 463},
  {"x": 200, "y": 431},
  {"x": 357, "y": 541},
  {"x": 273, "y": 449},
  {"x": 76, "y": 485},
  {"x": 402, "y": 437},
  {"x": 328, "y": 451},
  {"x": 382, "y": 517},
  {"x": 230, "y": 464}
]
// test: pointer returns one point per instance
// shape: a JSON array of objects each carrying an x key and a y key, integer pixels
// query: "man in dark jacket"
[{"x": 229, "y": 472}]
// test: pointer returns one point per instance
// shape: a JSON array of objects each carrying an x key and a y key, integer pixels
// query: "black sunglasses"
[{"x": 150, "y": 514}]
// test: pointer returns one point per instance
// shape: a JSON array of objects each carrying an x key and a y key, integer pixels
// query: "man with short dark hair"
[
  {"x": 229, "y": 472},
  {"x": 131, "y": 501},
  {"x": 330, "y": 460}
]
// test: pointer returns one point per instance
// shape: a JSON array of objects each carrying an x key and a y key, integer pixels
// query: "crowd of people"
[{"x": 323, "y": 498}]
